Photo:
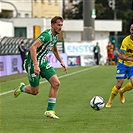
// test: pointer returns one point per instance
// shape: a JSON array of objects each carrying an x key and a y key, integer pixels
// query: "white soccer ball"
[{"x": 97, "y": 103}]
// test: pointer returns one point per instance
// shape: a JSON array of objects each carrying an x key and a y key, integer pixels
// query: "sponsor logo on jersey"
[{"x": 130, "y": 50}]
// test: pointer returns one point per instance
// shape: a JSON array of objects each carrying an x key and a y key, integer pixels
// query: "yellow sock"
[
  {"x": 114, "y": 92},
  {"x": 127, "y": 87}
]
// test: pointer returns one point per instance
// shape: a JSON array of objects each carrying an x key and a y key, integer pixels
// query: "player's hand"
[
  {"x": 36, "y": 69},
  {"x": 64, "y": 66}
]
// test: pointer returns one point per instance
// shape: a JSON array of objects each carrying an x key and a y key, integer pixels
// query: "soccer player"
[
  {"x": 124, "y": 69},
  {"x": 110, "y": 53},
  {"x": 37, "y": 66}
]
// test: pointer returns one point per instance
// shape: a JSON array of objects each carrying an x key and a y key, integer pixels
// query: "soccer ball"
[{"x": 97, "y": 103}]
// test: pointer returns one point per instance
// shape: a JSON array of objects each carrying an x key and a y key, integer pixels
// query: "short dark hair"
[{"x": 54, "y": 19}]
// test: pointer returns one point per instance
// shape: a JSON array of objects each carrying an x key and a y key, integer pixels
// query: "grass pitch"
[{"x": 25, "y": 113}]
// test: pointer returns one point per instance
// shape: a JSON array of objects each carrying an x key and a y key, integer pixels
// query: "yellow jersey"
[{"x": 127, "y": 49}]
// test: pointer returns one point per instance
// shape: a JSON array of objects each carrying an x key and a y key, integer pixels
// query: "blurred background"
[{"x": 86, "y": 22}]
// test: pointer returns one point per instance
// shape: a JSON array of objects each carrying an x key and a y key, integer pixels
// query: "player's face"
[
  {"x": 131, "y": 30},
  {"x": 57, "y": 27}
]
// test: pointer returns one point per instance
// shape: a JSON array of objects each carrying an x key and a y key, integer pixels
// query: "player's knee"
[
  {"x": 35, "y": 92},
  {"x": 56, "y": 84},
  {"x": 118, "y": 86},
  {"x": 131, "y": 84}
]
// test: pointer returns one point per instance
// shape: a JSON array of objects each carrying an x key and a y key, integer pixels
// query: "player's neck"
[
  {"x": 53, "y": 32},
  {"x": 131, "y": 37}
]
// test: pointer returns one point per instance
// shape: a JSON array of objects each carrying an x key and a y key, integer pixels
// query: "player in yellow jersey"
[{"x": 124, "y": 69}]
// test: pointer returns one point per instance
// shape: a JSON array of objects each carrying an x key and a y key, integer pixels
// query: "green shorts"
[{"x": 46, "y": 71}]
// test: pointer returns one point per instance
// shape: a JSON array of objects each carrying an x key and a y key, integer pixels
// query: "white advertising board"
[{"x": 86, "y": 48}]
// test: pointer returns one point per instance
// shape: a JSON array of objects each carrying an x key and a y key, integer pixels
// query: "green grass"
[{"x": 25, "y": 114}]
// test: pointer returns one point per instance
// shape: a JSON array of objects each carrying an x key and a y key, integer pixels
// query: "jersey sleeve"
[
  {"x": 123, "y": 47},
  {"x": 44, "y": 37}
]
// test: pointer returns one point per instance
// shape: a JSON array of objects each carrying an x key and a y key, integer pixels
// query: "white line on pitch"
[{"x": 7, "y": 92}]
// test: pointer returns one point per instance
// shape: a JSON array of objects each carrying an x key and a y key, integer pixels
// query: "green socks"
[{"x": 51, "y": 103}]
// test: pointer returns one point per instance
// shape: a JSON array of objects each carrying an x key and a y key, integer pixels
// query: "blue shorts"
[{"x": 124, "y": 71}]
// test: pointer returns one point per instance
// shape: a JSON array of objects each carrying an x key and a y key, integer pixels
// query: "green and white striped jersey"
[{"x": 48, "y": 40}]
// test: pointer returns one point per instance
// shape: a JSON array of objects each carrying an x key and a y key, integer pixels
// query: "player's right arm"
[{"x": 33, "y": 50}]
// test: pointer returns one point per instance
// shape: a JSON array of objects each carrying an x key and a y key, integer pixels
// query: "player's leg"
[
  {"x": 48, "y": 72},
  {"x": 114, "y": 92},
  {"x": 26, "y": 89},
  {"x": 55, "y": 83},
  {"x": 120, "y": 75},
  {"x": 128, "y": 86},
  {"x": 33, "y": 88}
]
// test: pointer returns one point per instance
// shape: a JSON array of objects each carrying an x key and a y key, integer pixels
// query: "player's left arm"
[
  {"x": 57, "y": 55},
  {"x": 123, "y": 50},
  {"x": 123, "y": 57}
]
